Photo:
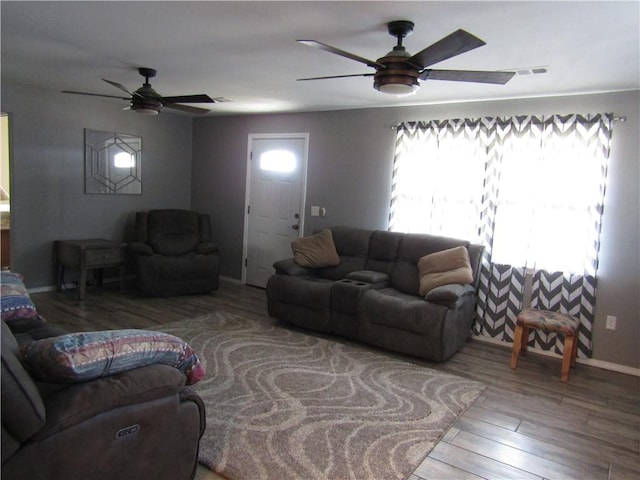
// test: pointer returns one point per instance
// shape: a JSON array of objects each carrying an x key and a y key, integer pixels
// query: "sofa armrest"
[
  {"x": 76, "y": 403},
  {"x": 140, "y": 248},
  {"x": 22, "y": 325},
  {"x": 449, "y": 294},
  {"x": 207, "y": 248},
  {"x": 189, "y": 395},
  {"x": 290, "y": 267}
]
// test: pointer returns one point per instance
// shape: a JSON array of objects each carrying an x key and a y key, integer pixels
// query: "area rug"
[{"x": 285, "y": 405}]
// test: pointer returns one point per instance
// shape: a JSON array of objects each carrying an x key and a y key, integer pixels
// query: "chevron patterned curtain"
[{"x": 530, "y": 189}]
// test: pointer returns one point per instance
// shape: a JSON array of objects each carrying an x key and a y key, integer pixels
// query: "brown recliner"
[
  {"x": 140, "y": 424},
  {"x": 174, "y": 253}
]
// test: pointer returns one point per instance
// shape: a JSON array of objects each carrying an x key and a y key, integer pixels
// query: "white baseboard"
[
  {"x": 615, "y": 367},
  {"x": 72, "y": 286},
  {"x": 48, "y": 288},
  {"x": 236, "y": 281},
  {"x": 51, "y": 288}
]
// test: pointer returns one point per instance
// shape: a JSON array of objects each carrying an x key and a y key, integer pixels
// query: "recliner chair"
[
  {"x": 174, "y": 253},
  {"x": 140, "y": 424}
]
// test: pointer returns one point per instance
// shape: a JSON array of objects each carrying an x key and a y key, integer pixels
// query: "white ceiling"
[{"x": 247, "y": 51}]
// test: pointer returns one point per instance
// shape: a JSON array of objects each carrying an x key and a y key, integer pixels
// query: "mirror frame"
[{"x": 102, "y": 175}]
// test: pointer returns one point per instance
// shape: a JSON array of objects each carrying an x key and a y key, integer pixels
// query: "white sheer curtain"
[
  {"x": 438, "y": 179},
  {"x": 530, "y": 189}
]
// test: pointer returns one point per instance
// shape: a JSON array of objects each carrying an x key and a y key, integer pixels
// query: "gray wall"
[
  {"x": 349, "y": 172},
  {"x": 350, "y": 160},
  {"x": 47, "y": 168}
]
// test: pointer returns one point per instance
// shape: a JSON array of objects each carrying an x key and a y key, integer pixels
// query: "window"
[
  {"x": 546, "y": 193},
  {"x": 442, "y": 194},
  {"x": 124, "y": 160},
  {"x": 531, "y": 190},
  {"x": 278, "y": 161},
  {"x": 534, "y": 193}
]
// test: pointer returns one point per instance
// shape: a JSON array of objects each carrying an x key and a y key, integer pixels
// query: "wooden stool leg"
[
  {"x": 574, "y": 354},
  {"x": 517, "y": 345},
  {"x": 524, "y": 341},
  {"x": 567, "y": 357}
]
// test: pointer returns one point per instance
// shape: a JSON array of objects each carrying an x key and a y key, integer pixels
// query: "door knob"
[{"x": 295, "y": 227}]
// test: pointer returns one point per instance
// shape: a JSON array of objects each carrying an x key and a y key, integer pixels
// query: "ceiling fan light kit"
[
  {"x": 146, "y": 111},
  {"x": 146, "y": 101},
  {"x": 396, "y": 84},
  {"x": 395, "y": 78},
  {"x": 399, "y": 73}
]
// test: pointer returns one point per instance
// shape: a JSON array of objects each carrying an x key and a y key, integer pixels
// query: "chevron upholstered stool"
[{"x": 547, "y": 321}]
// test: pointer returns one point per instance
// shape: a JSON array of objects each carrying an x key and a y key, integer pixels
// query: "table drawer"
[{"x": 102, "y": 256}]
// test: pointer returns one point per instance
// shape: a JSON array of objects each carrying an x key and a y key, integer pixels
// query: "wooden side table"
[{"x": 88, "y": 254}]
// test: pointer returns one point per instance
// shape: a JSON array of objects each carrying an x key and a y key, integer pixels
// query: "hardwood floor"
[{"x": 527, "y": 424}]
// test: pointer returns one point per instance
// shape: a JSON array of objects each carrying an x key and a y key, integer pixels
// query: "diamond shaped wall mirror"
[{"x": 112, "y": 163}]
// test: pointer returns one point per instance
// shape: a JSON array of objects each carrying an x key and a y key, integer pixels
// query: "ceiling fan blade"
[
  {"x": 94, "y": 94},
  {"x": 187, "y": 108},
  {"x": 121, "y": 87},
  {"x": 202, "y": 98},
  {"x": 453, "y": 44},
  {"x": 477, "y": 76},
  {"x": 337, "y": 76},
  {"x": 342, "y": 53}
]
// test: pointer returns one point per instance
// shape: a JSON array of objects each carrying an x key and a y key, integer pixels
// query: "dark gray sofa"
[
  {"x": 372, "y": 295},
  {"x": 139, "y": 424}
]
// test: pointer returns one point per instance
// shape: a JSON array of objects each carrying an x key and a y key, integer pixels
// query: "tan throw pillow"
[
  {"x": 315, "y": 251},
  {"x": 444, "y": 267}
]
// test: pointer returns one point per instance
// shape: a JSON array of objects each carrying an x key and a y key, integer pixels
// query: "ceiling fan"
[
  {"x": 147, "y": 101},
  {"x": 399, "y": 73}
]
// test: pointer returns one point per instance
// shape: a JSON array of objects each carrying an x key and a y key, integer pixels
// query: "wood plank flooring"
[{"x": 527, "y": 424}]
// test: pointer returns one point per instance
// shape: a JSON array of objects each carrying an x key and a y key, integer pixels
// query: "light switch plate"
[{"x": 611, "y": 322}]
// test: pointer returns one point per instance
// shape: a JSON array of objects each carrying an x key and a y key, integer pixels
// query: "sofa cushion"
[
  {"x": 173, "y": 232},
  {"x": 402, "y": 311},
  {"x": 405, "y": 275},
  {"x": 352, "y": 245},
  {"x": 383, "y": 250},
  {"x": 311, "y": 292},
  {"x": 317, "y": 250},
  {"x": 15, "y": 303},
  {"x": 78, "y": 357},
  {"x": 346, "y": 266},
  {"x": 443, "y": 268},
  {"x": 351, "y": 242}
]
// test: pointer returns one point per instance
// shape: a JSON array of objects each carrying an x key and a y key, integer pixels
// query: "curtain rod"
[{"x": 621, "y": 119}]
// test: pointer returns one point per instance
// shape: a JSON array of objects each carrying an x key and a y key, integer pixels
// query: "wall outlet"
[{"x": 611, "y": 322}]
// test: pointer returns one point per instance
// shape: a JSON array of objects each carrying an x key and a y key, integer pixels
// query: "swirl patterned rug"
[{"x": 285, "y": 405}]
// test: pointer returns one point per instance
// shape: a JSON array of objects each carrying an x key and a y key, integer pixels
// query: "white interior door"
[{"x": 274, "y": 216}]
